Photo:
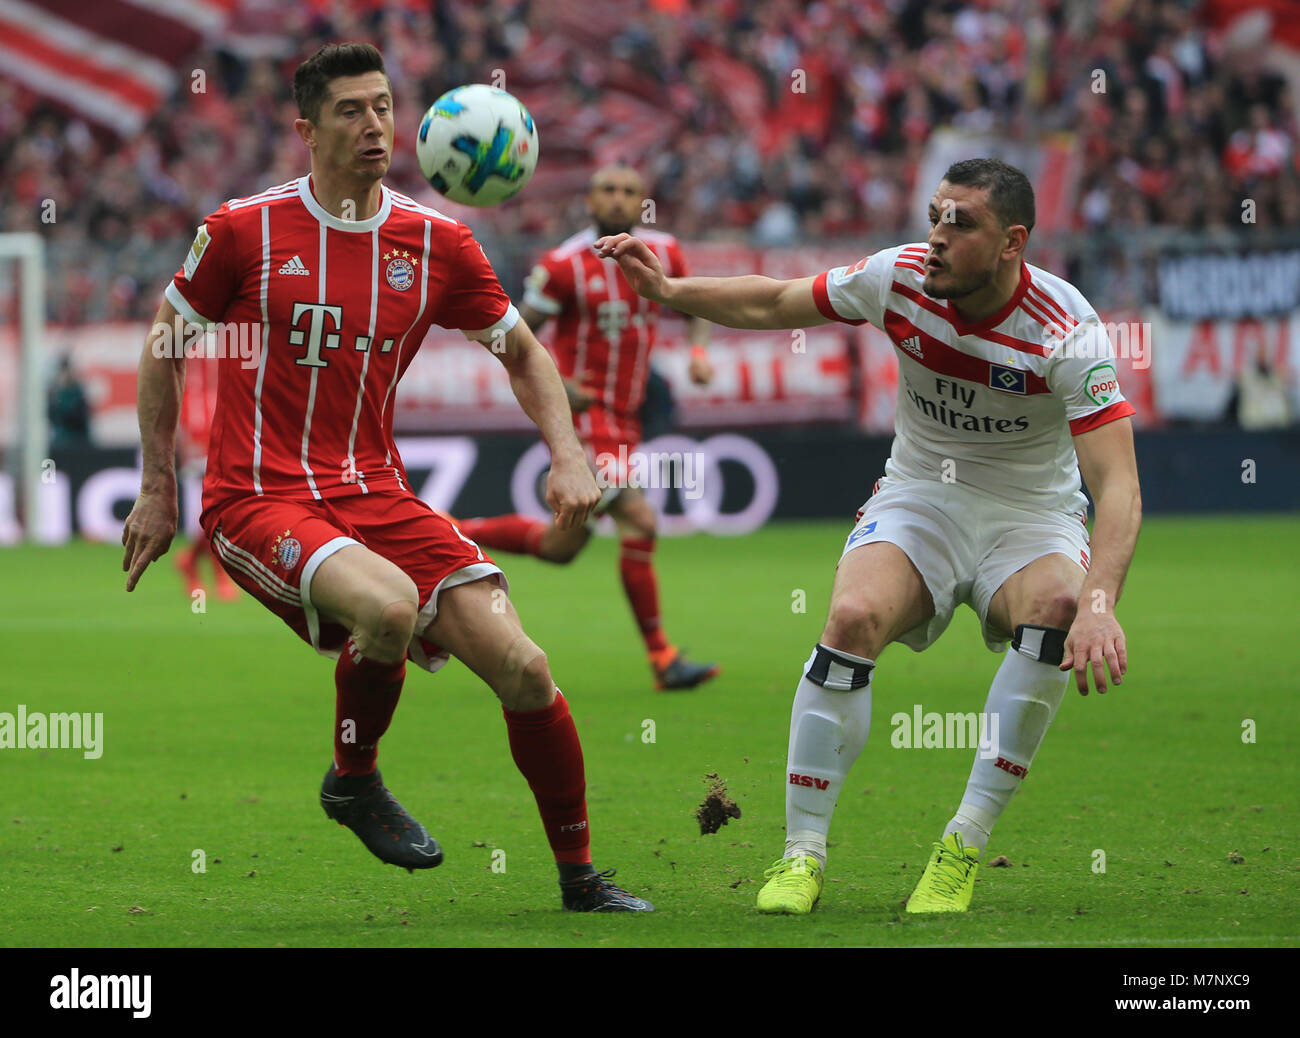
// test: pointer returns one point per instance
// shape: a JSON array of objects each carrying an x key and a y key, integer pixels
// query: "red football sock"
[
  {"x": 516, "y": 534},
  {"x": 545, "y": 746},
  {"x": 367, "y": 696},
  {"x": 637, "y": 569}
]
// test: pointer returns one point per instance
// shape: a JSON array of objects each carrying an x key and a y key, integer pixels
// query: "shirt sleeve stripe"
[
  {"x": 542, "y": 303},
  {"x": 503, "y": 324},
  {"x": 183, "y": 306},
  {"x": 823, "y": 301},
  {"x": 1119, "y": 409}
]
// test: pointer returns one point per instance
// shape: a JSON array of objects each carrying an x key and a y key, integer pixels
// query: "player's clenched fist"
[
  {"x": 638, "y": 262},
  {"x": 147, "y": 534},
  {"x": 571, "y": 492}
]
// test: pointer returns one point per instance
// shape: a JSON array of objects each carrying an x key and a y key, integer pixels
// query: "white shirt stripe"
[
  {"x": 311, "y": 391},
  {"x": 616, "y": 343},
  {"x": 269, "y": 195},
  {"x": 261, "y": 361},
  {"x": 397, "y": 362},
  {"x": 238, "y": 559},
  {"x": 580, "y": 296},
  {"x": 365, "y": 361}
]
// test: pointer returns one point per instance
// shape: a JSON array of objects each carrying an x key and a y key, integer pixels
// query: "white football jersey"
[{"x": 992, "y": 404}]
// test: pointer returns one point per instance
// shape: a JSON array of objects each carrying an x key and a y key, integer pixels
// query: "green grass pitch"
[{"x": 217, "y": 730}]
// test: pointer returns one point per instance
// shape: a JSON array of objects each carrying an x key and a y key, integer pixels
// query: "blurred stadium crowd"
[{"x": 767, "y": 119}]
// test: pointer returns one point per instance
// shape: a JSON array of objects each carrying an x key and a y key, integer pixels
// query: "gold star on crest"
[{"x": 275, "y": 547}]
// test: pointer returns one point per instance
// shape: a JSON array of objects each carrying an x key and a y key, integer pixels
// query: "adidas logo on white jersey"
[
  {"x": 295, "y": 266},
  {"x": 912, "y": 345}
]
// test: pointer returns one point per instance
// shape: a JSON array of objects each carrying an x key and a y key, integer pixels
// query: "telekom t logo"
[
  {"x": 315, "y": 335},
  {"x": 317, "y": 338}
]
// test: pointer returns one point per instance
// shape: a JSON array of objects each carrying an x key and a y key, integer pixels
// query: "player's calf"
[
  {"x": 562, "y": 546},
  {"x": 1025, "y": 695}
]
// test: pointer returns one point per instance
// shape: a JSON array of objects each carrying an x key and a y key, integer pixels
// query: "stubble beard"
[
  {"x": 958, "y": 290},
  {"x": 605, "y": 230}
]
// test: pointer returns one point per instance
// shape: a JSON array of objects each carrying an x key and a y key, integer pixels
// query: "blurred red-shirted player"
[
  {"x": 306, "y": 500},
  {"x": 604, "y": 333},
  {"x": 198, "y": 406}
]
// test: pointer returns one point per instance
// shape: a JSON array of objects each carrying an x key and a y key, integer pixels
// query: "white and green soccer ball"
[{"x": 477, "y": 145}]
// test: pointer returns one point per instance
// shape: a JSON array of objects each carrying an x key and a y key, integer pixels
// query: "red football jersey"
[
  {"x": 603, "y": 330},
  {"x": 336, "y": 310}
]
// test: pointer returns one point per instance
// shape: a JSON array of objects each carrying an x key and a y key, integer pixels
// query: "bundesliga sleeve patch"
[
  {"x": 1102, "y": 384},
  {"x": 201, "y": 242}
]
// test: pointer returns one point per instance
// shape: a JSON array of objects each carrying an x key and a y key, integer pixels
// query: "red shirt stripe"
[
  {"x": 823, "y": 301},
  {"x": 939, "y": 310},
  {"x": 1117, "y": 410},
  {"x": 941, "y": 358}
]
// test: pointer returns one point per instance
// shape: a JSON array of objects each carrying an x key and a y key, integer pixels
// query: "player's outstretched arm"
[
  {"x": 571, "y": 489},
  {"x": 150, "y": 527},
  {"x": 1109, "y": 467},
  {"x": 751, "y": 301}
]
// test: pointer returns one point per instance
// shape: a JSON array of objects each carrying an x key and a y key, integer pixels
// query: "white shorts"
[{"x": 964, "y": 544}]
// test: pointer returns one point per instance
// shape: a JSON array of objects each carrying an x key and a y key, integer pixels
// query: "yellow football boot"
[
  {"x": 949, "y": 878},
  {"x": 793, "y": 886}
]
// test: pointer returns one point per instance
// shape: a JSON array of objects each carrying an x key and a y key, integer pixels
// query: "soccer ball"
[{"x": 477, "y": 145}]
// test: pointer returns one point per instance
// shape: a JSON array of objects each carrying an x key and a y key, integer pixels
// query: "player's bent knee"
[
  {"x": 642, "y": 524},
  {"x": 855, "y": 625},
  {"x": 1054, "y": 609},
  {"x": 386, "y": 637},
  {"x": 536, "y": 685},
  {"x": 523, "y": 679}
]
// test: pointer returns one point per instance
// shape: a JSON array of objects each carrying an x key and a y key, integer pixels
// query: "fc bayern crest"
[
  {"x": 400, "y": 274},
  {"x": 289, "y": 552}
]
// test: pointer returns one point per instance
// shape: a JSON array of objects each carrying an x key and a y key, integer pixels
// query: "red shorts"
[
  {"x": 604, "y": 431},
  {"x": 272, "y": 548},
  {"x": 610, "y": 439}
]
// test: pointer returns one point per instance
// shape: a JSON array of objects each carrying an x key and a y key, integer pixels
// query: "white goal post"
[{"x": 33, "y": 434}]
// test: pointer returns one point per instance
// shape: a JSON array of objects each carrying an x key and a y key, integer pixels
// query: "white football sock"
[
  {"x": 829, "y": 724},
  {"x": 1022, "y": 701}
]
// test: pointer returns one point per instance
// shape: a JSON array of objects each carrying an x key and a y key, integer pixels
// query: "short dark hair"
[
  {"x": 311, "y": 80},
  {"x": 1010, "y": 193}
]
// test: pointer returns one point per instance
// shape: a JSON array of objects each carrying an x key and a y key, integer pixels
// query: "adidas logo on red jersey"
[
  {"x": 295, "y": 266},
  {"x": 912, "y": 345}
]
